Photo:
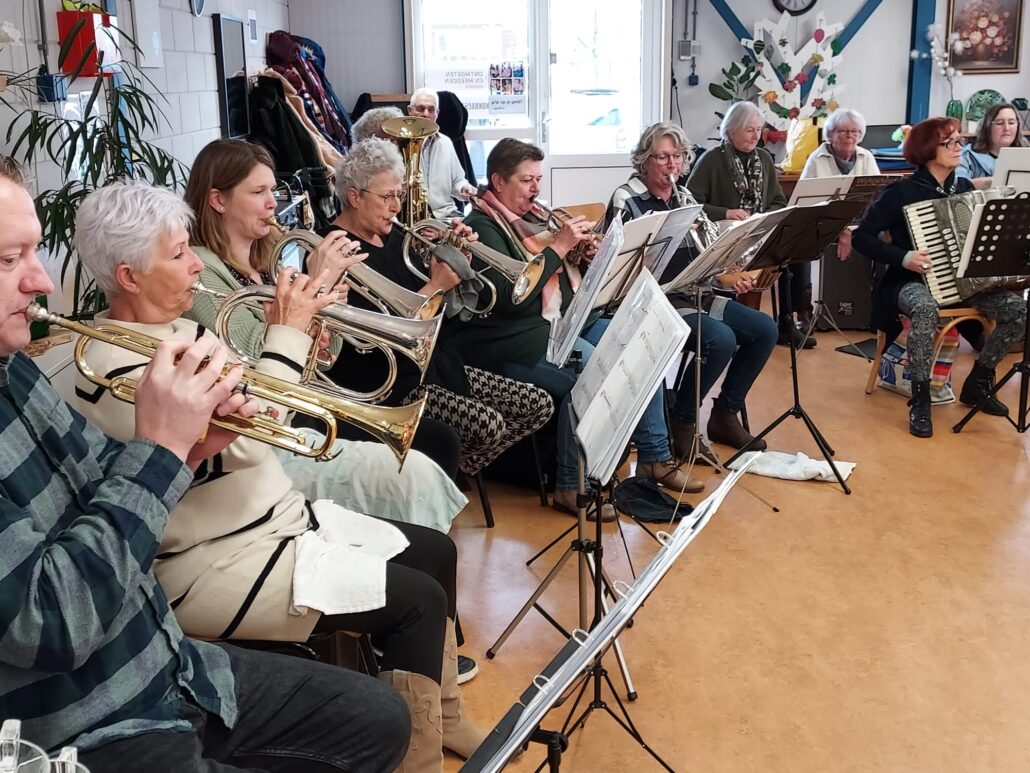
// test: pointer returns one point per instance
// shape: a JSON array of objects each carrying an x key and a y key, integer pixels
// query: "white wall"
[
  {"x": 187, "y": 79},
  {"x": 874, "y": 67},
  {"x": 363, "y": 42}
]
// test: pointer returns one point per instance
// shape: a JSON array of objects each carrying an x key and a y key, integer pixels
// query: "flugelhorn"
[
  {"x": 704, "y": 232},
  {"x": 414, "y": 338},
  {"x": 523, "y": 275},
  {"x": 393, "y": 426},
  {"x": 383, "y": 293}
]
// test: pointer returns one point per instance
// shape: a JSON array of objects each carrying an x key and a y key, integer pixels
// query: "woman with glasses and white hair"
[
  {"x": 489, "y": 412},
  {"x": 998, "y": 129},
  {"x": 738, "y": 179},
  {"x": 840, "y": 155},
  {"x": 934, "y": 147},
  {"x": 731, "y": 333}
]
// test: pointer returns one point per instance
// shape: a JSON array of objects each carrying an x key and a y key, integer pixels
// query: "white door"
[{"x": 580, "y": 79}]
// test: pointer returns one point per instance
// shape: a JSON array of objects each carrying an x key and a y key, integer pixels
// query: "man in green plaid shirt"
[{"x": 90, "y": 652}]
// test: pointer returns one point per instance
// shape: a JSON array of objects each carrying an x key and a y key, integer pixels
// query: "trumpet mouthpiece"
[{"x": 37, "y": 313}]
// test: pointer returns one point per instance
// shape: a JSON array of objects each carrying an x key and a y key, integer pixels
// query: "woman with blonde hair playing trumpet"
[{"x": 245, "y": 554}]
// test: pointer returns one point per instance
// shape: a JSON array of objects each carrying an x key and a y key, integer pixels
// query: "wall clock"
[
  {"x": 197, "y": 6},
  {"x": 794, "y": 7}
]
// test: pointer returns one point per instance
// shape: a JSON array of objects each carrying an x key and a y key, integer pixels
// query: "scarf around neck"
[
  {"x": 534, "y": 236},
  {"x": 748, "y": 177}
]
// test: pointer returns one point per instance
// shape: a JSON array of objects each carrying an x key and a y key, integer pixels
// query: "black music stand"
[
  {"x": 800, "y": 237},
  {"x": 1001, "y": 248}
]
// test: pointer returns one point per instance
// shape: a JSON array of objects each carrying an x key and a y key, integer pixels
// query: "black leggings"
[{"x": 420, "y": 596}]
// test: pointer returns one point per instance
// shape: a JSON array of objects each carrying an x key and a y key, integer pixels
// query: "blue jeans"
[
  {"x": 651, "y": 435},
  {"x": 755, "y": 335}
]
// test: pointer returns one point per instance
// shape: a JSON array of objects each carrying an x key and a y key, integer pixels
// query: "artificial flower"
[
  {"x": 770, "y": 97},
  {"x": 790, "y": 85},
  {"x": 801, "y": 77}
]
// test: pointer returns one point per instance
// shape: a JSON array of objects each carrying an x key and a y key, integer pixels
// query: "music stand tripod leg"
[{"x": 821, "y": 312}]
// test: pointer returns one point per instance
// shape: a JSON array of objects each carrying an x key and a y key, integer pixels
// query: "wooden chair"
[{"x": 949, "y": 318}]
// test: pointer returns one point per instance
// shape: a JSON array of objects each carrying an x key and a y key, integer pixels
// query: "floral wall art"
[
  {"x": 796, "y": 84},
  {"x": 987, "y": 34}
]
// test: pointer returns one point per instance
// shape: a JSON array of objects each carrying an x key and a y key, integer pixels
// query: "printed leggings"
[
  {"x": 1006, "y": 308},
  {"x": 498, "y": 412}
]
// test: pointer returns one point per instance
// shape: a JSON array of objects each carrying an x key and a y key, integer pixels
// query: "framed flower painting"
[{"x": 984, "y": 35}]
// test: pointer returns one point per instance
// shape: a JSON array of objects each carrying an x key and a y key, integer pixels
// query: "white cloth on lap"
[
  {"x": 341, "y": 567},
  {"x": 775, "y": 464}
]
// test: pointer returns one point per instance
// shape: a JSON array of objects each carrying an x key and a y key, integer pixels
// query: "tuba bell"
[{"x": 410, "y": 133}]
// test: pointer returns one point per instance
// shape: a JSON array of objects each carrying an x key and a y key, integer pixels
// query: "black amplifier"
[{"x": 846, "y": 289}]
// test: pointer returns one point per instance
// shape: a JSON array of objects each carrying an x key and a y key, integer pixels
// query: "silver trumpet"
[
  {"x": 413, "y": 338},
  {"x": 385, "y": 294},
  {"x": 523, "y": 275}
]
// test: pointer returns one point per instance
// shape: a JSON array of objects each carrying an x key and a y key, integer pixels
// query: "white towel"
[
  {"x": 341, "y": 567},
  {"x": 775, "y": 464}
]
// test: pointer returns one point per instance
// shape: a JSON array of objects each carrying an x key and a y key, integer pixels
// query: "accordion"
[{"x": 939, "y": 227}]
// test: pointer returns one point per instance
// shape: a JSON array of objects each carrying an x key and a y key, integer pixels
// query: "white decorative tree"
[{"x": 796, "y": 84}]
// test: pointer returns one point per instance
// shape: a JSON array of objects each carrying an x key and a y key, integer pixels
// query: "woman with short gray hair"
[
  {"x": 737, "y": 180},
  {"x": 359, "y": 168},
  {"x": 371, "y": 122},
  {"x": 841, "y": 155}
]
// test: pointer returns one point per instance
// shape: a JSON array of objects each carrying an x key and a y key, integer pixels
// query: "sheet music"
[
  {"x": 566, "y": 329},
  {"x": 624, "y": 371},
  {"x": 1012, "y": 168},
  {"x": 670, "y": 238},
  {"x": 812, "y": 190},
  {"x": 727, "y": 249},
  {"x": 636, "y": 234}
]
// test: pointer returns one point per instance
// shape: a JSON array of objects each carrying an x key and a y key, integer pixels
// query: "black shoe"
[
  {"x": 919, "y": 421},
  {"x": 789, "y": 329},
  {"x": 977, "y": 388}
]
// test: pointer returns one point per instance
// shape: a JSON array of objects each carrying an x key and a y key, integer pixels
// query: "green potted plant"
[
  {"x": 107, "y": 141},
  {"x": 737, "y": 82}
]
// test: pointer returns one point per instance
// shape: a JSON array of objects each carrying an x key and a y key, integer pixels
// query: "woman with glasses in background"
[
  {"x": 998, "y": 129},
  {"x": 839, "y": 155},
  {"x": 738, "y": 179},
  {"x": 934, "y": 147}
]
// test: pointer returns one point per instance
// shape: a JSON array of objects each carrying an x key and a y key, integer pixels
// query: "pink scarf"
[{"x": 532, "y": 235}]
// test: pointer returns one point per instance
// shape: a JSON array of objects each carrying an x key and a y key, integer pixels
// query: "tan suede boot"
[
  {"x": 422, "y": 696},
  {"x": 460, "y": 734}
]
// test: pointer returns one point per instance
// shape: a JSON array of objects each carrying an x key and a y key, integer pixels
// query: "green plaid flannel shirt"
[{"x": 89, "y": 650}]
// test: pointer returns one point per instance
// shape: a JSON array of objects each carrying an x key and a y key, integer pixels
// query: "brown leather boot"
[
  {"x": 460, "y": 734},
  {"x": 682, "y": 436},
  {"x": 422, "y": 697},
  {"x": 724, "y": 427},
  {"x": 670, "y": 475}
]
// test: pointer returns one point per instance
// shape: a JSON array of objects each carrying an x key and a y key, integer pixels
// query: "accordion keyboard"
[{"x": 934, "y": 232}]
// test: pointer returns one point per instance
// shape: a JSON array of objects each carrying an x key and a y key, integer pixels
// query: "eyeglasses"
[
  {"x": 951, "y": 144},
  {"x": 663, "y": 158},
  {"x": 1004, "y": 122},
  {"x": 398, "y": 196},
  {"x": 851, "y": 132}
]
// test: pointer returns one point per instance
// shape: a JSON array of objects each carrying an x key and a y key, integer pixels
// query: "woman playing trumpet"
[
  {"x": 489, "y": 412},
  {"x": 230, "y": 189},
  {"x": 731, "y": 333},
  {"x": 513, "y": 339},
  {"x": 245, "y": 554}
]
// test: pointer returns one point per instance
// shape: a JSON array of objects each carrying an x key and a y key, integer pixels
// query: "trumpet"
[
  {"x": 555, "y": 219},
  {"x": 384, "y": 294},
  {"x": 523, "y": 276},
  {"x": 393, "y": 426},
  {"x": 414, "y": 338}
]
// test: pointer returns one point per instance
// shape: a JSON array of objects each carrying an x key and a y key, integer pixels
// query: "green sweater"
[
  {"x": 711, "y": 183},
  {"x": 510, "y": 333}
]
